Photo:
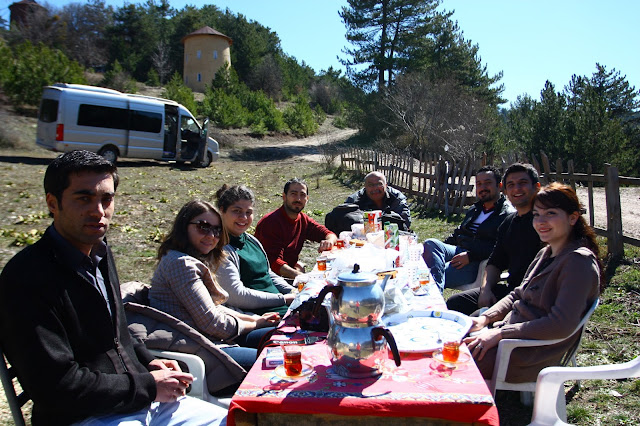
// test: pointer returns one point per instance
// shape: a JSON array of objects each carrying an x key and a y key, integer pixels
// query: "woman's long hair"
[
  {"x": 178, "y": 237},
  {"x": 227, "y": 195},
  {"x": 559, "y": 196}
]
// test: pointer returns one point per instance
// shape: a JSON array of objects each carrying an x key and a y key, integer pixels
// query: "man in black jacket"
[
  {"x": 455, "y": 261},
  {"x": 377, "y": 195},
  {"x": 62, "y": 322},
  {"x": 516, "y": 246}
]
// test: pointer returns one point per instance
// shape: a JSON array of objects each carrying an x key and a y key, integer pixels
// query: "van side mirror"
[{"x": 205, "y": 128}]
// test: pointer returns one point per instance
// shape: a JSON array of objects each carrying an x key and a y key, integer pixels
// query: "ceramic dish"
[
  {"x": 421, "y": 331},
  {"x": 463, "y": 358},
  {"x": 307, "y": 369}
]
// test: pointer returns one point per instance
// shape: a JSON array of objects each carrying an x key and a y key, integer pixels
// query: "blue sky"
[{"x": 530, "y": 41}]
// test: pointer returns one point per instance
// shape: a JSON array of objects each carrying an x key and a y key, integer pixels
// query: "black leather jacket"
[
  {"x": 480, "y": 244},
  {"x": 73, "y": 358}
]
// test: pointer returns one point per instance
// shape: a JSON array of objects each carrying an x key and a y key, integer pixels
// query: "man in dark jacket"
[
  {"x": 376, "y": 195},
  {"x": 62, "y": 322},
  {"x": 455, "y": 261},
  {"x": 516, "y": 246}
]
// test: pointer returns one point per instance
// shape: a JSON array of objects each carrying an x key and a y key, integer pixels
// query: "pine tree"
[{"x": 382, "y": 32}]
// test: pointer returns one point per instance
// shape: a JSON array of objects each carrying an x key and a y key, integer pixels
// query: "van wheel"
[
  {"x": 109, "y": 153},
  {"x": 206, "y": 161}
]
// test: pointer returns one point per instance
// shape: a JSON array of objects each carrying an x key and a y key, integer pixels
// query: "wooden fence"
[
  {"x": 446, "y": 185},
  {"x": 432, "y": 181}
]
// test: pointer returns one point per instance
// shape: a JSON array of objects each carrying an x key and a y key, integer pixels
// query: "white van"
[{"x": 115, "y": 124}]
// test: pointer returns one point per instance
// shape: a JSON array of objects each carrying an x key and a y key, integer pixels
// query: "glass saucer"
[
  {"x": 463, "y": 358},
  {"x": 307, "y": 369}
]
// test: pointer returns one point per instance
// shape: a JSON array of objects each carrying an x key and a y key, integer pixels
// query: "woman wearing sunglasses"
[
  {"x": 245, "y": 274},
  {"x": 561, "y": 284},
  {"x": 185, "y": 287}
]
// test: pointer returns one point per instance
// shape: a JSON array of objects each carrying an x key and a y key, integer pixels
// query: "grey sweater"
[{"x": 242, "y": 297}]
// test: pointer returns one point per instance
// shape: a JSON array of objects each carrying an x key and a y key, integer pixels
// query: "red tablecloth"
[{"x": 420, "y": 387}]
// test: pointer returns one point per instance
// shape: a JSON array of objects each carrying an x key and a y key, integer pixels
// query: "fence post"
[
  {"x": 615, "y": 246},
  {"x": 592, "y": 214},
  {"x": 546, "y": 168}
]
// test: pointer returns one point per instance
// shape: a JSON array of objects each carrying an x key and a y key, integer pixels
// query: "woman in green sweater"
[{"x": 245, "y": 274}]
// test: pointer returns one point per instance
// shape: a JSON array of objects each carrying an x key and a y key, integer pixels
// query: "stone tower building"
[{"x": 205, "y": 52}]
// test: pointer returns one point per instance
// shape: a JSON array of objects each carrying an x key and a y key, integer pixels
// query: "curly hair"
[{"x": 227, "y": 195}]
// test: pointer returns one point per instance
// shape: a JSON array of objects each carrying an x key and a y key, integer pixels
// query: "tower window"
[
  {"x": 198, "y": 54},
  {"x": 199, "y": 77},
  {"x": 215, "y": 54}
]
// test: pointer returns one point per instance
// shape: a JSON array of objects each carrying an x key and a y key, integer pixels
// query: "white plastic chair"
[
  {"x": 15, "y": 401},
  {"x": 196, "y": 368},
  {"x": 550, "y": 406},
  {"x": 506, "y": 346},
  {"x": 478, "y": 282}
]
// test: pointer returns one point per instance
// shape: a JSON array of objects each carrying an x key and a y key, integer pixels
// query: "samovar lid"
[{"x": 356, "y": 276}]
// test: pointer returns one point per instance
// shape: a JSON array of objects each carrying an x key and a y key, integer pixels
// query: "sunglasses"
[{"x": 205, "y": 228}]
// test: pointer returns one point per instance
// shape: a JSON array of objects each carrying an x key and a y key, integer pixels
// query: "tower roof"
[{"x": 207, "y": 31}]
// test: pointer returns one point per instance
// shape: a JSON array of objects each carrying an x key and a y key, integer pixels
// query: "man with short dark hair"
[
  {"x": 516, "y": 246},
  {"x": 377, "y": 195},
  {"x": 455, "y": 261},
  {"x": 284, "y": 231},
  {"x": 62, "y": 322}
]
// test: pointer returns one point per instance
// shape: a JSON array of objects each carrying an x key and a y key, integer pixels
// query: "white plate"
[{"x": 419, "y": 331}]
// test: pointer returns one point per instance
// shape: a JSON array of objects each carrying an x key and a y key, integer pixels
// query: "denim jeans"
[
  {"x": 185, "y": 411},
  {"x": 437, "y": 256}
]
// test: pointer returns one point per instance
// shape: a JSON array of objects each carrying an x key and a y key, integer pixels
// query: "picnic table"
[{"x": 420, "y": 391}]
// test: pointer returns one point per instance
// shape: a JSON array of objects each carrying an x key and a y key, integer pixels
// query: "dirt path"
[{"x": 629, "y": 206}]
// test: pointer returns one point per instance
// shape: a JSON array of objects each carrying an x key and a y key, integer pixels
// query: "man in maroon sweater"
[{"x": 284, "y": 231}]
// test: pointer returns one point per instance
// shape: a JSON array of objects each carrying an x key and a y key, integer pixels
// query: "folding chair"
[
  {"x": 549, "y": 408},
  {"x": 478, "y": 281},
  {"x": 506, "y": 346},
  {"x": 15, "y": 401},
  {"x": 197, "y": 369}
]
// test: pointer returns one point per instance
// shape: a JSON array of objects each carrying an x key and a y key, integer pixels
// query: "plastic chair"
[
  {"x": 478, "y": 282},
  {"x": 550, "y": 406},
  {"x": 506, "y": 346},
  {"x": 15, "y": 401},
  {"x": 197, "y": 369}
]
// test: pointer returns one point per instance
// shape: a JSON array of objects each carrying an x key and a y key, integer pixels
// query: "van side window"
[
  {"x": 48, "y": 111},
  {"x": 101, "y": 116},
  {"x": 145, "y": 121},
  {"x": 119, "y": 118}
]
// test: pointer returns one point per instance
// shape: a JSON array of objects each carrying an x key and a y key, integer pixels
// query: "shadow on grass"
[
  {"x": 122, "y": 164},
  {"x": 20, "y": 159},
  {"x": 511, "y": 411},
  {"x": 265, "y": 154}
]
